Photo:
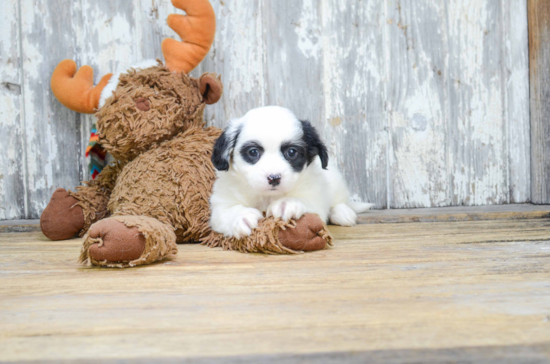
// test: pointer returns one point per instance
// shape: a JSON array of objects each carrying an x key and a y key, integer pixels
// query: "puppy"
[{"x": 270, "y": 162}]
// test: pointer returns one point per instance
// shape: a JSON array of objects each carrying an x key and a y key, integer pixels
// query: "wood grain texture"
[
  {"x": 457, "y": 102},
  {"x": 238, "y": 55},
  {"x": 539, "y": 60},
  {"x": 422, "y": 103},
  {"x": 514, "y": 354},
  {"x": 294, "y": 57},
  {"x": 456, "y": 213},
  {"x": 478, "y": 140},
  {"x": 416, "y": 103},
  {"x": 382, "y": 287},
  {"x": 19, "y": 226},
  {"x": 13, "y": 181},
  {"x": 355, "y": 123},
  {"x": 52, "y": 138},
  {"x": 516, "y": 96}
]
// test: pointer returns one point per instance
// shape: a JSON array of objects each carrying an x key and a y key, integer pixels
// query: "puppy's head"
[{"x": 269, "y": 147}]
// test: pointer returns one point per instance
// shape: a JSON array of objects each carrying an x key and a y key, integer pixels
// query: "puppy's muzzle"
[{"x": 274, "y": 179}]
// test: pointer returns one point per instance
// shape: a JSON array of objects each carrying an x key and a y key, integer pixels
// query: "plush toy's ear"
[
  {"x": 223, "y": 148},
  {"x": 315, "y": 146},
  {"x": 211, "y": 88}
]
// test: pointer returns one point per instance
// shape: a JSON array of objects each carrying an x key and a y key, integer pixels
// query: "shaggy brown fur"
[
  {"x": 94, "y": 195},
  {"x": 175, "y": 104},
  {"x": 171, "y": 183},
  {"x": 161, "y": 187}
]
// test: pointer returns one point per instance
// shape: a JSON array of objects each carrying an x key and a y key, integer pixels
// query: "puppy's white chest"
[{"x": 263, "y": 203}]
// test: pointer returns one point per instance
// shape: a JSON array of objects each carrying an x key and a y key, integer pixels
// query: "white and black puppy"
[{"x": 269, "y": 161}]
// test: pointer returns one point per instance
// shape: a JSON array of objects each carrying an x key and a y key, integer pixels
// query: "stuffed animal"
[{"x": 150, "y": 119}]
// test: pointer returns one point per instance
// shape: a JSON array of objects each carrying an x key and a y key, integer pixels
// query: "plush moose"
[{"x": 150, "y": 119}]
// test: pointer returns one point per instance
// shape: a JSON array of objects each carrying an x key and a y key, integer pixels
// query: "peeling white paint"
[
  {"x": 12, "y": 167},
  {"x": 240, "y": 65},
  {"x": 516, "y": 94},
  {"x": 421, "y": 103},
  {"x": 307, "y": 29},
  {"x": 419, "y": 164}
]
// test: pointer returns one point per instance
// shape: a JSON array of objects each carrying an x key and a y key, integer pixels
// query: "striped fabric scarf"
[{"x": 95, "y": 154}]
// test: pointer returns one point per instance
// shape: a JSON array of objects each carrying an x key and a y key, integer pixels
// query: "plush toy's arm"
[
  {"x": 275, "y": 236},
  {"x": 93, "y": 196}
]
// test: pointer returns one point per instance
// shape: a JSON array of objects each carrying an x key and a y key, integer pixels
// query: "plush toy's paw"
[
  {"x": 343, "y": 215},
  {"x": 62, "y": 218},
  {"x": 244, "y": 222},
  {"x": 286, "y": 208},
  {"x": 115, "y": 241},
  {"x": 306, "y": 236}
]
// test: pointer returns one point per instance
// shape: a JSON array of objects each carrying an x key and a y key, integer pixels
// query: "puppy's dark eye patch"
[
  {"x": 295, "y": 155},
  {"x": 291, "y": 153},
  {"x": 251, "y": 152}
]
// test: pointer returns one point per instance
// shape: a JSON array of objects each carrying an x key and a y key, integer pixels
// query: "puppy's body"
[{"x": 270, "y": 162}]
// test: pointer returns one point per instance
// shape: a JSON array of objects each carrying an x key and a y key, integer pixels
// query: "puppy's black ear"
[
  {"x": 223, "y": 148},
  {"x": 221, "y": 154},
  {"x": 315, "y": 146}
]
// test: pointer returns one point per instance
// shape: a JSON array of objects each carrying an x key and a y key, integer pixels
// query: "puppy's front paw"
[
  {"x": 244, "y": 222},
  {"x": 287, "y": 208}
]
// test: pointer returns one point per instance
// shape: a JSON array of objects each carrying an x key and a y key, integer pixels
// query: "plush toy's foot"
[
  {"x": 115, "y": 241},
  {"x": 309, "y": 234},
  {"x": 277, "y": 236},
  {"x": 128, "y": 241},
  {"x": 63, "y": 218}
]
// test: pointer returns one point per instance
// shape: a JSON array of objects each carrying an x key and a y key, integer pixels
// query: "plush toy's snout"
[{"x": 143, "y": 104}]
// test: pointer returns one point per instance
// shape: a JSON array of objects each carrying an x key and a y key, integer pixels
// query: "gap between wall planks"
[
  {"x": 423, "y": 103},
  {"x": 539, "y": 60}
]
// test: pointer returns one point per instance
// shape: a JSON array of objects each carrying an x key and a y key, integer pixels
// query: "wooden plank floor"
[{"x": 428, "y": 292}]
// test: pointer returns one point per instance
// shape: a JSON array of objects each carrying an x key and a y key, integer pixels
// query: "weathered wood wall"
[
  {"x": 539, "y": 60},
  {"x": 423, "y": 102}
]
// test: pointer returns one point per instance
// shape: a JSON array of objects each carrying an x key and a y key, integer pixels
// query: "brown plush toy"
[{"x": 157, "y": 193}]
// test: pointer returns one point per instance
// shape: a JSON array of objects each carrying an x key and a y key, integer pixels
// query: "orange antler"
[
  {"x": 75, "y": 89},
  {"x": 196, "y": 29}
]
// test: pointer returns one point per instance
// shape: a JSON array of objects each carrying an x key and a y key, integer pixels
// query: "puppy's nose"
[{"x": 274, "y": 179}]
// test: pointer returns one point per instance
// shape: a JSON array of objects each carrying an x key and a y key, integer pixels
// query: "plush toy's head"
[
  {"x": 151, "y": 105},
  {"x": 147, "y": 105}
]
